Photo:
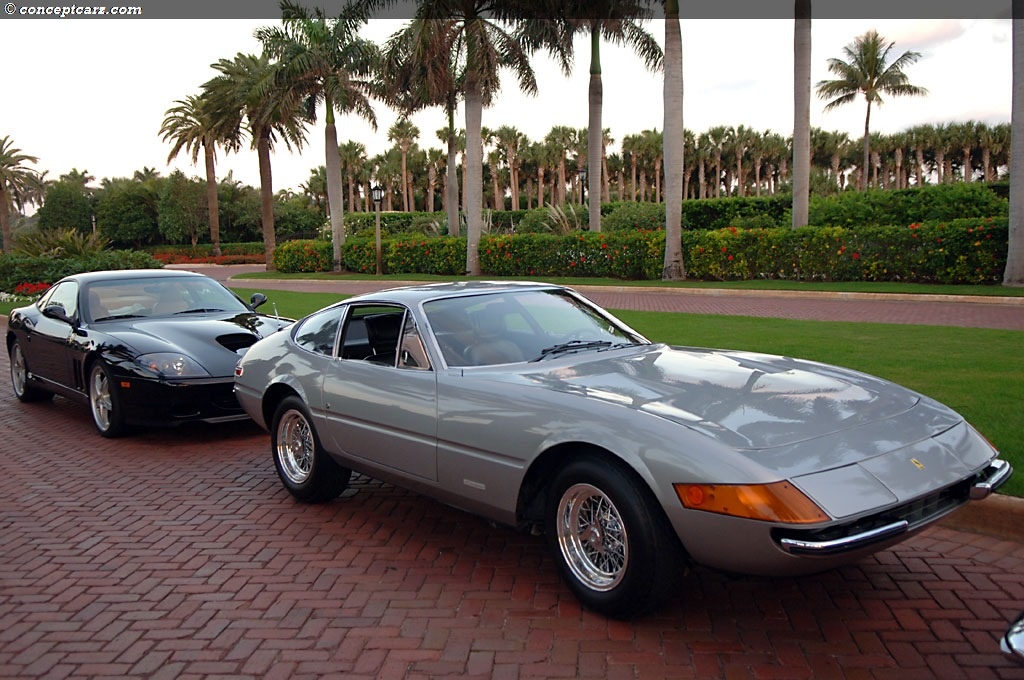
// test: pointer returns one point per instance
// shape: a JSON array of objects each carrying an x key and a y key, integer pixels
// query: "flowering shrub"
[
  {"x": 30, "y": 289},
  {"x": 304, "y": 256},
  {"x": 959, "y": 251}
]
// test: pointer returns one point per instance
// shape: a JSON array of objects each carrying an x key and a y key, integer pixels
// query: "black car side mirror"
[
  {"x": 57, "y": 312},
  {"x": 257, "y": 299},
  {"x": 1012, "y": 643}
]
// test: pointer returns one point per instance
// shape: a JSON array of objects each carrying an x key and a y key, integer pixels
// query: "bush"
[
  {"x": 410, "y": 254},
  {"x": 17, "y": 269},
  {"x": 877, "y": 207},
  {"x": 304, "y": 256}
]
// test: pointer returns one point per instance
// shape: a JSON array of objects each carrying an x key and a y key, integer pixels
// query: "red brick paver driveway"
[{"x": 176, "y": 554}]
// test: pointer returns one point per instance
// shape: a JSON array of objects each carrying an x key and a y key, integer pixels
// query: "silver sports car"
[{"x": 531, "y": 406}]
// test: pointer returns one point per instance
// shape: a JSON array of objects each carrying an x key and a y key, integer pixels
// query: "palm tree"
[
  {"x": 718, "y": 137},
  {"x": 511, "y": 141},
  {"x": 251, "y": 88},
  {"x": 328, "y": 62},
  {"x": 1014, "y": 272},
  {"x": 315, "y": 188},
  {"x": 474, "y": 33},
  {"x": 19, "y": 184},
  {"x": 404, "y": 134},
  {"x": 801, "y": 112},
  {"x": 868, "y": 72},
  {"x": 419, "y": 70},
  {"x": 673, "y": 141},
  {"x": 352, "y": 156},
  {"x": 618, "y": 21},
  {"x": 561, "y": 139},
  {"x": 190, "y": 126}
]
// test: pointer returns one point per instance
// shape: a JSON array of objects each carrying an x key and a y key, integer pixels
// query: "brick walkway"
[{"x": 177, "y": 554}]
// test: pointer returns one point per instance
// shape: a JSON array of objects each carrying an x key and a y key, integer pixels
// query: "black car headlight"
[{"x": 171, "y": 365}]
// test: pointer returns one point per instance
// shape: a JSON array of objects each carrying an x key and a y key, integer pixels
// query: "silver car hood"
[{"x": 776, "y": 409}]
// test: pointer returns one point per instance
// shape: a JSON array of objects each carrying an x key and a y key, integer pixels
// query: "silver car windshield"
[{"x": 514, "y": 326}]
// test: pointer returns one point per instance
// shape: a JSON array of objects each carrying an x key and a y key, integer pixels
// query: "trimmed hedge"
[
  {"x": 961, "y": 251},
  {"x": 17, "y": 269}
]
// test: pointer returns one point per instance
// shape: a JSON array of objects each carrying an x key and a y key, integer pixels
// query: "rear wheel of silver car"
[
  {"x": 305, "y": 469},
  {"x": 23, "y": 389},
  {"x": 612, "y": 543},
  {"x": 105, "y": 401}
]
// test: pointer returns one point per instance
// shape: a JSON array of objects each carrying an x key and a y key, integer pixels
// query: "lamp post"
[
  {"x": 582, "y": 172},
  {"x": 377, "y": 192}
]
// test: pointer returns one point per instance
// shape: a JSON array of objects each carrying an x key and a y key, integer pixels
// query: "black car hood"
[{"x": 215, "y": 340}]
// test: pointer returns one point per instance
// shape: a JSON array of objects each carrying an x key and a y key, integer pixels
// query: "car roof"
[
  {"x": 128, "y": 274},
  {"x": 415, "y": 294}
]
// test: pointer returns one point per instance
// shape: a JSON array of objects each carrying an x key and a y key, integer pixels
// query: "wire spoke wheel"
[
  {"x": 592, "y": 537},
  {"x": 295, "y": 447}
]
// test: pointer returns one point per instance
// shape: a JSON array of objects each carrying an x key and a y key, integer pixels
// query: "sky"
[{"x": 92, "y": 94}]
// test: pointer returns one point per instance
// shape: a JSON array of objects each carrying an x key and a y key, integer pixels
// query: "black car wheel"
[
  {"x": 614, "y": 547},
  {"x": 305, "y": 469},
  {"x": 105, "y": 401},
  {"x": 20, "y": 378}
]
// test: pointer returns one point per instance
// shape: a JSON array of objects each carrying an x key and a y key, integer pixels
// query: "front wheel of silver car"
[
  {"x": 105, "y": 401},
  {"x": 306, "y": 470},
  {"x": 612, "y": 543}
]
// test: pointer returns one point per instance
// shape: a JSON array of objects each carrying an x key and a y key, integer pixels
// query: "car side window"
[
  {"x": 63, "y": 295},
  {"x": 372, "y": 333},
  {"x": 318, "y": 332},
  {"x": 411, "y": 353}
]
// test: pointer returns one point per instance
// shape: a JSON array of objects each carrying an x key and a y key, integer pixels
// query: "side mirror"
[
  {"x": 57, "y": 312},
  {"x": 257, "y": 299},
  {"x": 1012, "y": 643}
]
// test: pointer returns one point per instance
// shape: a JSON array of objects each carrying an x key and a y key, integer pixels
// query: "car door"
[
  {"x": 50, "y": 342},
  {"x": 380, "y": 393}
]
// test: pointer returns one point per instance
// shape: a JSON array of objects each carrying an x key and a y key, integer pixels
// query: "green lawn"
[
  {"x": 977, "y": 371},
  {"x": 847, "y": 286}
]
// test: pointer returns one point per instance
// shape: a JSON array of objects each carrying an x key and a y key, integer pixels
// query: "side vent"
[{"x": 237, "y": 341}]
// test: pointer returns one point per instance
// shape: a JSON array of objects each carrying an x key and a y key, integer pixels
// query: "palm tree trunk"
[
  {"x": 672, "y": 142},
  {"x": 1014, "y": 273},
  {"x": 801, "y": 113},
  {"x": 266, "y": 198},
  {"x": 211, "y": 199},
  {"x": 5, "y": 221},
  {"x": 595, "y": 131},
  {"x": 867, "y": 151},
  {"x": 332, "y": 157},
  {"x": 451, "y": 182},
  {"x": 474, "y": 161}
]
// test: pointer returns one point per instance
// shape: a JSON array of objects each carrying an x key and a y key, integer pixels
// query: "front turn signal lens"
[{"x": 777, "y": 502}]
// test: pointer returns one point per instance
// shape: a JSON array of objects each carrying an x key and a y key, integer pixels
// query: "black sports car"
[{"x": 141, "y": 347}]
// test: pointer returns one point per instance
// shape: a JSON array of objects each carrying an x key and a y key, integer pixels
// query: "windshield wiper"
[
  {"x": 201, "y": 310},
  {"x": 118, "y": 316},
  {"x": 572, "y": 346}
]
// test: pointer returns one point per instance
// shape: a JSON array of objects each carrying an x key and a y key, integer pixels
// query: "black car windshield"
[
  {"x": 513, "y": 326},
  {"x": 131, "y": 298}
]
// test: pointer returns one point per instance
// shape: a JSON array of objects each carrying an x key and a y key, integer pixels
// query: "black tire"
[
  {"x": 105, "y": 401},
  {"x": 305, "y": 468},
  {"x": 613, "y": 544},
  {"x": 23, "y": 389}
]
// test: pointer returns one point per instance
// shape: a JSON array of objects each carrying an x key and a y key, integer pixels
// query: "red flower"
[{"x": 856, "y": 256}]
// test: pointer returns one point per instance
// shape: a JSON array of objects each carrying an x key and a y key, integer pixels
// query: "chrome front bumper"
[{"x": 890, "y": 525}]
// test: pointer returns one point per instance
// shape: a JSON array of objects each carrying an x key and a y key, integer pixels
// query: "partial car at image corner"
[
  {"x": 531, "y": 406},
  {"x": 139, "y": 347}
]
